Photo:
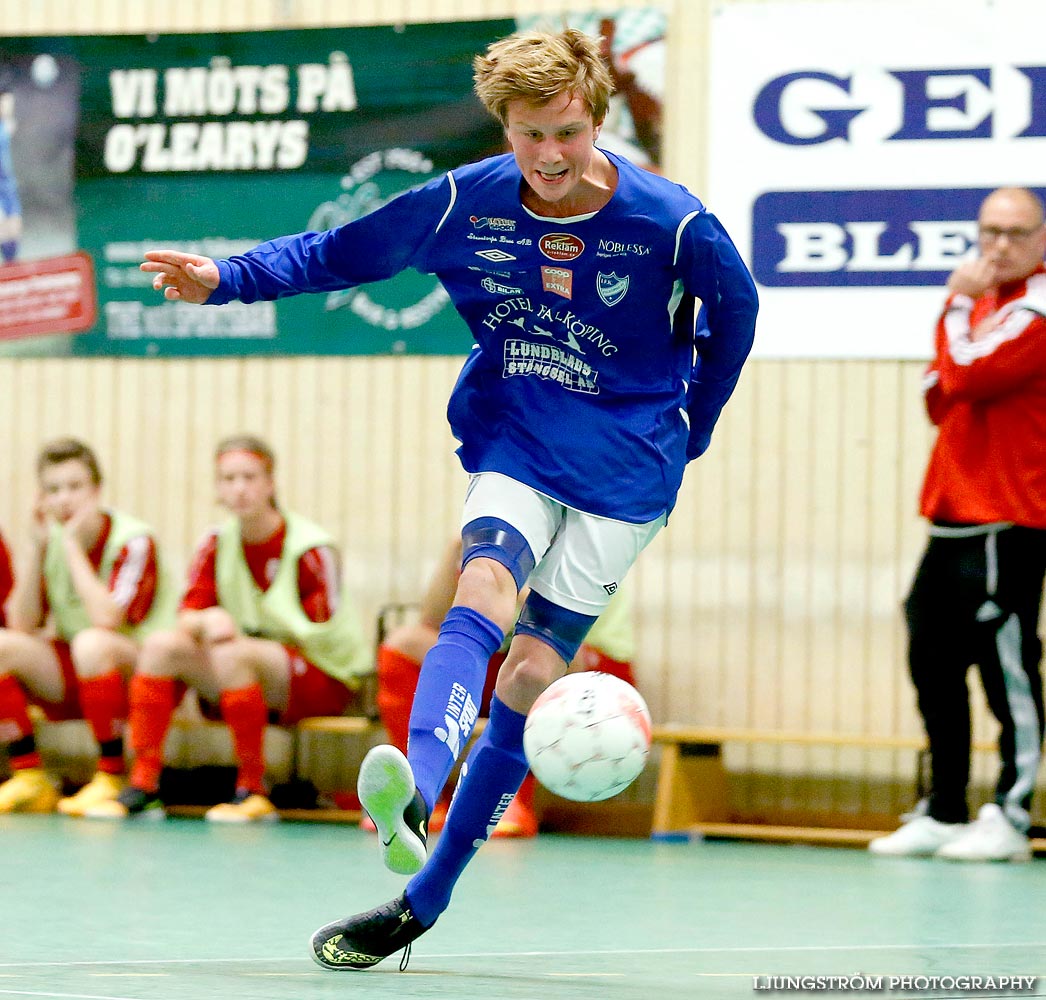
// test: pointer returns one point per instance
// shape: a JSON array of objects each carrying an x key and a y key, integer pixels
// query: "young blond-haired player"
[{"x": 611, "y": 321}]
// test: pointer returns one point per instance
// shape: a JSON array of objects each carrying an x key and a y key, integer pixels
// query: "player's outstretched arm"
[{"x": 186, "y": 276}]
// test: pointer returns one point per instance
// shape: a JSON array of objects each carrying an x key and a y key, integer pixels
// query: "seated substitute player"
[
  {"x": 608, "y": 647},
  {"x": 92, "y": 579},
  {"x": 593, "y": 380},
  {"x": 263, "y": 629}
]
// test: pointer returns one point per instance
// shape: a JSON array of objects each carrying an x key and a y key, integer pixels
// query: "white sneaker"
[
  {"x": 921, "y": 808},
  {"x": 990, "y": 837},
  {"x": 921, "y": 837}
]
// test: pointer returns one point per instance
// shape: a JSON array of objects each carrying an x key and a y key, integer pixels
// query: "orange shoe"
[
  {"x": 518, "y": 821},
  {"x": 28, "y": 791},
  {"x": 246, "y": 807},
  {"x": 103, "y": 787}
]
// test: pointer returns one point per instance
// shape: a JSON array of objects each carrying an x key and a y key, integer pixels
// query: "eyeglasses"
[{"x": 990, "y": 234}]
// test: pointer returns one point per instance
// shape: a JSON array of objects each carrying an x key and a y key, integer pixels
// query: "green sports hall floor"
[{"x": 183, "y": 909}]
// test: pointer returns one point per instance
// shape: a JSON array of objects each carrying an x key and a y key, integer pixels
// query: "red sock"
[
  {"x": 245, "y": 712},
  {"x": 397, "y": 681},
  {"x": 15, "y": 724},
  {"x": 525, "y": 795},
  {"x": 153, "y": 700},
  {"x": 103, "y": 700}
]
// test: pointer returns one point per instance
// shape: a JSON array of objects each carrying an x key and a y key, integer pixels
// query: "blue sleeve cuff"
[{"x": 226, "y": 290}]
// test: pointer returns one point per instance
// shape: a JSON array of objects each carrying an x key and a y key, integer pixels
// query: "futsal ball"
[{"x": 587, "y": 737}]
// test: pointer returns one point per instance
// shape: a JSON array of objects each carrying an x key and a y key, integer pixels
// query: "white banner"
[{"x": 851, "y": 145}]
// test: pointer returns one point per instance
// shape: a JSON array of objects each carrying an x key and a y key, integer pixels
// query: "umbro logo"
[
  {"x": 496, "y": 256},
  {"x": 610, "y": 588}
]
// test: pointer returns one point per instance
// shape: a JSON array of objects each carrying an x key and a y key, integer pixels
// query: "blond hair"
[{"x": 537, "y": 66}]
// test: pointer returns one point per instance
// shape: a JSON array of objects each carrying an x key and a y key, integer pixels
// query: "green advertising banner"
[{"x": 214, "y": 143}]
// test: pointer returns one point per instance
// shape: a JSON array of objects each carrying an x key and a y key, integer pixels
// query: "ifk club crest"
[{"x": 612, "y": 288}]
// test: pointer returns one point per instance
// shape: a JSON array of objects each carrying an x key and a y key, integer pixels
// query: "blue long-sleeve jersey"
[{"x": 583, "y": 382}]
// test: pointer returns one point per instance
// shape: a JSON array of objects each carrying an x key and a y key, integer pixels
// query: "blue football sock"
[
  {"x": 8, "y": 250},
  {"x": 490, "y": 778},
  {"x": 446, "y": 703}
]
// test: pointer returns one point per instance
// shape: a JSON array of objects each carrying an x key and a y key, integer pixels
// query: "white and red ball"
[{"x": 587, "y": 737}]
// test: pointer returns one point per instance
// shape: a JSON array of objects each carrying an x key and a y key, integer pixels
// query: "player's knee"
[
  {"x": 488, "y": 587},
  {"x": 8, "y": 644},
  {"x": 12, "y": 653},
  {"x": 160, "y": 652},
  {"x": 492, "y": 538},
  {"x": 232, "y": 665},
  {"x": 522, "y": 680},
  {"x": 94, "y": 652},
  {"x": 535, "y": 674}
]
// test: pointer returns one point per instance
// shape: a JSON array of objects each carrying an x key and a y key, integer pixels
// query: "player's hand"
[
  {"x": 186, "y": 276},
  {"x": 216, "y": 625},
  {"x": 38, "y": 521},
  {"x": 973, "y": 278},
  {"x": 78, "y": 528}
]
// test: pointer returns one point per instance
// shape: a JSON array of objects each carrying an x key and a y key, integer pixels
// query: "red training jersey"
[
  {"x": 986, "y": 392},
  {"x": 317, "y": 574},
  {"x": 132, "y": 582}
]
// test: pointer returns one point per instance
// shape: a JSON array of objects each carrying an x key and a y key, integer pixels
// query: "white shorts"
[{"x": 581, "y": 558}]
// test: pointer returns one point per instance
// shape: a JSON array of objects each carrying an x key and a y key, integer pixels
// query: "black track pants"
[{"x": 975, "y": 600}]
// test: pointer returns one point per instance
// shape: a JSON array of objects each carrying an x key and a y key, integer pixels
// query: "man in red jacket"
[{"x": 977, "y": 593}]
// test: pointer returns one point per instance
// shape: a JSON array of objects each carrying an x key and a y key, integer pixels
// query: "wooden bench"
[
  {"x": 692, "y": 797},
  {"x": 364, "y": 732}
]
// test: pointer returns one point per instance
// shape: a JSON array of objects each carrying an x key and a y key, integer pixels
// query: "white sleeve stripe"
[
  {"x": 453, "y": 198},
  {"x": 956, "y": 326},
  {"x": 130, "y": 576},
  {"x": 1035, "y": 294},
  {"x": 965, "y": 351},
  {"x": 1032, "y": 304},
  {"x": 679, "y": 234}
]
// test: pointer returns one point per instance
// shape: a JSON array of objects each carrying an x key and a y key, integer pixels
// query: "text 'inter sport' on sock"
[{"x": 446, "y": 703}]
